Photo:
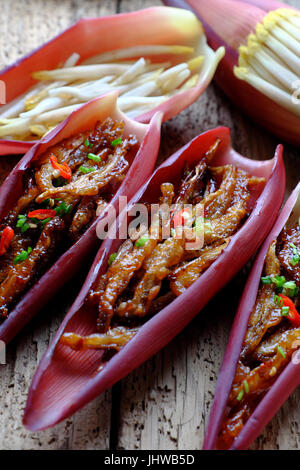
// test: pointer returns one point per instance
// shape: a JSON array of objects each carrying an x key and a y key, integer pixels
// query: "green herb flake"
[
  {"x": 278, "y": 281},
  {"x": 240, "y": 395},
  {"x": 86, "y": 169},
  {"x": 281, "y": 351},
  {"x": 266, "y": 280},
  {"x": 142, "y": 241},
  {"x": 63, "y": 209},
  {"x": 24, "y": 227},
  {"x": 112, "y": 258},
  {"x": 296, "y": 255},
  {"x": 278, "y": 300},
  {"x": 22, "y": 256},
  {"x": 45, "y": 221},
  {"x": 290, "y": 289},
  {"x": 295, "y": 260},
  {"x": 94, "y": 157},
  {"x": 116, "y": 142},
  {"x": 21, "y": 220},
  {"x": 285, "y": 311}
]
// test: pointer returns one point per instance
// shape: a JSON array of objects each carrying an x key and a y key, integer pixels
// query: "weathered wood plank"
[{"x": 165, "y": 403}]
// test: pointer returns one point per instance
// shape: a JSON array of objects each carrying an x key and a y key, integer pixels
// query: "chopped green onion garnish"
[
  {"x": 278, "y": 281},
  {"x": 290, "y": 289},
  {"x": 281, "y": 351},
  {"x": 266, "y": 280},
  {"x": 240, "y": 395},
  {"x": 278, "y": 300},
  {"x": 142, "y": 241},
  {"x": 294, "y": 248},
  {"x": 45, "y": 221},
  {"x": 24, "y": 227},
  {"x": 22, "y": 256},
  {"x": 87, "y": 169},
  {"x": 296, "y": 255},
  {"x": 94, "y": 157},
  {"x": 21, "y": 220},
  {"x": 112, "y": 258},
  {"x": 246, "y": 386},
  {"x": 63, "y": 209},
  {"x": 295, "y": 260},
  {"x": 87, "y": 143},
  {"x": 287, "y": 287},
  {"x": 285, "y": 311},
  {"x": 116, "y": 142}
]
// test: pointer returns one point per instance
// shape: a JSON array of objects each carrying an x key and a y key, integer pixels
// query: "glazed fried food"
[
  {"x": 148, "y": 273},
  {"x": 272, "y": 336},
  {"x": 114, "y": 338},
  {"x": 70, "y": 183}
]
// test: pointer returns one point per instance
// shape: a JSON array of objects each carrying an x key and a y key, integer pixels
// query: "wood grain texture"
[{"x": 164, "y": 404}]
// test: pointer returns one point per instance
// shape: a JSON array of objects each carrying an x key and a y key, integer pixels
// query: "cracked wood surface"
[{"x": 164, "y": 404}]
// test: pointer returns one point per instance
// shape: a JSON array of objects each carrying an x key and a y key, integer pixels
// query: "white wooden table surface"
[{"x": 164, "y": 404}]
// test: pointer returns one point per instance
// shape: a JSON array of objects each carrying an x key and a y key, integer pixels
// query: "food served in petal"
[
  {"x": 272, "y": 336},
  {"x": 64, "y": 190},
  {"x": 147, "y": 273}
]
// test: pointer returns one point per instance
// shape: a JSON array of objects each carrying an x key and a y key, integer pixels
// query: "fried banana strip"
[
  {"x": 185, "y": 275},
  {"x": 265, "y": 313},
  {"x": 226, "y": 225},
  {"x": 74, "y": 152},
  {"x": 155, "y": 268},
  {"x": 268, "y": 348},
  {"x": 91, "y": 183},
  {"x": 62, "y": 151},
  {"x": 194, "y": 177},
  {"x": 122, "y": 270},
  {"x": 232, "y": 426},
  {"x": 217, "y": 203},
  {"x": 263, "y": 376},
  {"x": 115, "y": 338},
  {"x": 22, "y": 203},
  {"x": 84, "y": 214},
  {"x": 20, "y": 274},
  {"x": 291, "y": 238},
  {"x": 258, "y": 381},
  {"x": 119, "y": 275}
]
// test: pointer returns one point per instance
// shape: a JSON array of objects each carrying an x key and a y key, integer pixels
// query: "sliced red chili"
[
  {"x": 6, "y": 238},
  {"x": 64, "y": 170},
  {"x": 42, "y": 214},
  {"x": 293, "y": 314},
  {"x": 180, "y": 217}
]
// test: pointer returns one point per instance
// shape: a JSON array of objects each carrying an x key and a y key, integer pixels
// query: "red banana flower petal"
[
  {"x": 67, "y": 380},
  {"x": 288, "y": 379},
  {"x": 266, "y": 5},
  {"x": 228, "y": 23},
  {"x": 88, "y": 37},
  {"x": 71, "y": 261}
]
